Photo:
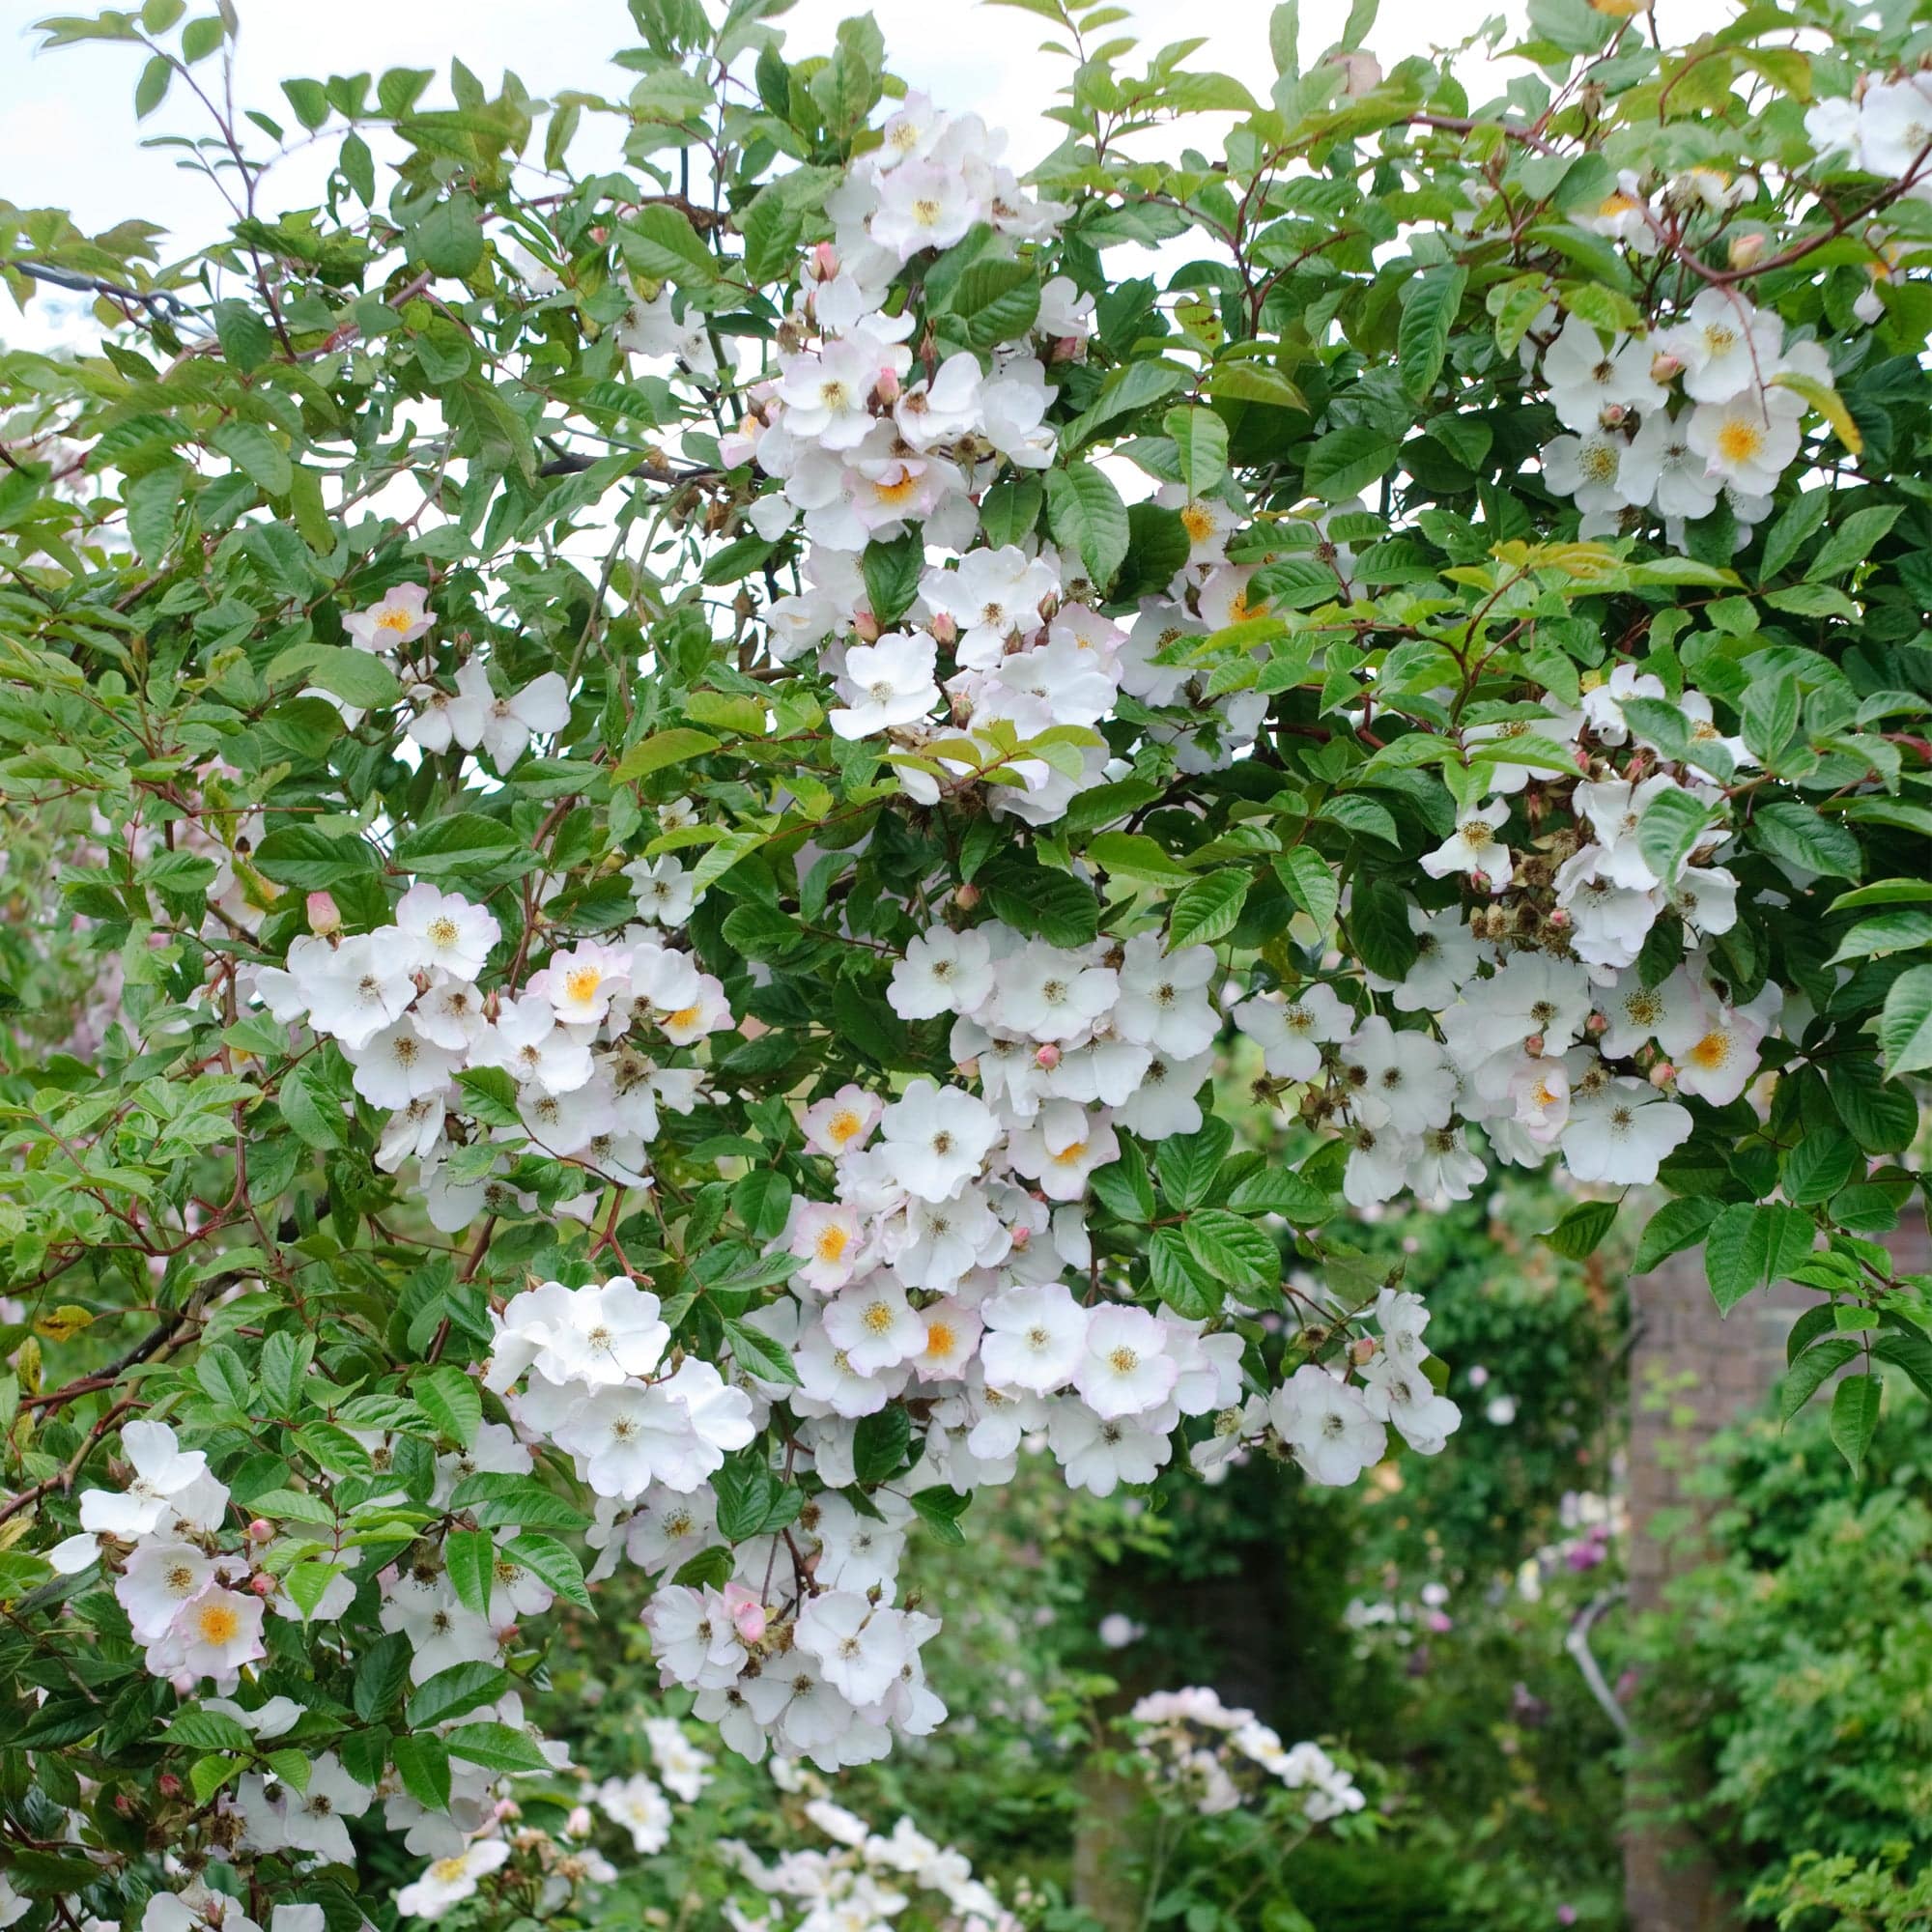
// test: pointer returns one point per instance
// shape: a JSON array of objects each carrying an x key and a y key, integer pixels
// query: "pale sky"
[{"x": 69, "y": 137}]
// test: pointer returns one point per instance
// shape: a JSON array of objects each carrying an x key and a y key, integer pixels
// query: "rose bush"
[{"x": 641, "y": 793}]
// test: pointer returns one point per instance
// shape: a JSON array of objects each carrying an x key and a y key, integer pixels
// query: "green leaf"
[
  {"x": 1122, "y": 1187},
  {"x": 1889, "y": 932},
  {"x": 1201, "y": 439},
  {"x": 1905, "y": 1027},
  {"x": 355, "y": 676},
  {"x": 452, "y": 1400},
  {"x": 285, "y": 1366},
  {"x": 151, "y": 89},
  {"x": 500, "y": 1501},
  {"x": 1136, "y": 858},
  {"x": 423, "y": 1766},
  {"x": 1795, "y": 832},
  {"x": 1855, "y": 1408},
  {"x": 1811, "y": 1371},
  {"x": 495, "y": 1747},
  {"x": 1427, "y": 317},
  {"x": 1191, "y": 1164},
  {"x": 257, "y": 454},
  {"x": 892, "y": 574},
  {"x": 1345, "y": 462},
  {"x": 246, "y": 341},
  {"x": 1378, "y": 925},
  {"x": 761, "y": 1201},
  {"x": 1235, "y": 1252},
  {"x": 881, "y": 1443},
  {"x": 469, "y": 1557},
  {"x": 464, "y": 842},
  {"x": 1749, "y": 1246},
  {"x": 1278, "y": 1190},
  {"x": 995, "y": 302},
  {"x": 551, "y": 1563},
  {"x": 662, "y": 750},
  {"x": 757, "y": 1354},
  {"x": 311, "y": 859},
  {"x": 1311, "y": 883},
  {"x": 660, "y": 242},
  {"x": 1580, "y": 1230},
  {"x": 1207, "y": 909},
  {"x": 1084, "y": 513},
  {"x": 451, "y": 1692},
  {"x": 1819, "y": 1165},
  {"x": 206, "y": 1731},
  {"x": 1671, "y": 826}
]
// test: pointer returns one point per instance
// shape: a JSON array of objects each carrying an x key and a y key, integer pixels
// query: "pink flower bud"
[
  {"x": 1613, "y": 415},
  {"x": 1665, "y": 368},
  {"x": 261, "y": 1530},
  {"x": 184, "y": 1682},
  {"x": 1558, "y": 919},
  {"x": 747, "y": 1614},
  {"x": 1022, "y": 1237},
  {"x": 1663, "y": 1073},
  {"x": 886, "y": 390},
  {"x": 325, "y": 918},
  {"x": 1744, "y": 249},
  {"x": 824, "y": 262},
  {"x": 867, "y": 627},
  {"x": 966, "y": 897},
  {"x": 1533, "y": 1045},
  {"x": 1596, "y": 1024},
  {"x": 1362, "y": 1349},
  {"x": 1048, "y": 1057},
  {"x": 262, "y": 1584},
  {"x": 944, "y": 631},
  {"x": 580, "y": 1824},
  {"x": 168, "y": 1784}
]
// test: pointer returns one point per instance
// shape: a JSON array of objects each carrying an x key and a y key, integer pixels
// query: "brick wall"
[{"x": 1692, "y": 1372}]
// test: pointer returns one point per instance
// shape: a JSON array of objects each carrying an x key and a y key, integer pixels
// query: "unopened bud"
[
  {"x": 1596, "y": 1024},
  {"x": 325, "y": 916},
  {"x": 1048, "y": 1057},
  {"x": 1022, "y": 1237},
  {"x": 262, "y": 1584},
  {"x": 1614, "y": 415},
  {"x": 1533, "y": 1045},
  {"x": 1665, "y": 368},
  {"x": 1067, "y": 349},
  {"x": 749, "y": 1615},
  {"x": 867, "y": 627},
  {"x": 966, "y": 897},
  {"x": 1558, "y": 919},
  {"x": 261, "y": 1530},
  {"x": 944, "y": 631},
  {"x": 824, "y": 262},
  {"x": 886, "y": 390},
  {"x": 1362, "y": 1350},
  {"x": 580, "y": 1824},
  {"x": 1744, "y": 249},
  {"x": 168, "y": 1784},
  {"x": 1663, "y": 1073}
]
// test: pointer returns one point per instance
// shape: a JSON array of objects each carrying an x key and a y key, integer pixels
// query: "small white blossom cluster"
[
  {"x": 555, "y": 1866},
  {"x": 584, "y": 1368},
  {"x": 474, "y": 717},
  {"x": 581, "y": 1041},
  {"x": 863, "y": 1879},
  {"x": 195, "y": 1595},
  {"x": 1734, "y": 431},
  {"x": 869, "y": 434},
  {"x": 195, "y": 1607},
  {"x": 1542, "y": 1026},
  {"x": 1209, "y": 1753},
  {"x": 1334, "y": 1427}
]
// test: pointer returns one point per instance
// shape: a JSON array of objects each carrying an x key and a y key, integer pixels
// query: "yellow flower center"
[
  {"x": 1740, "y": 440},
  {"x": 218, "y": 1623},
  {"x": 1711, "y": 1051},
  {"x": 831, "y": 1243}
]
